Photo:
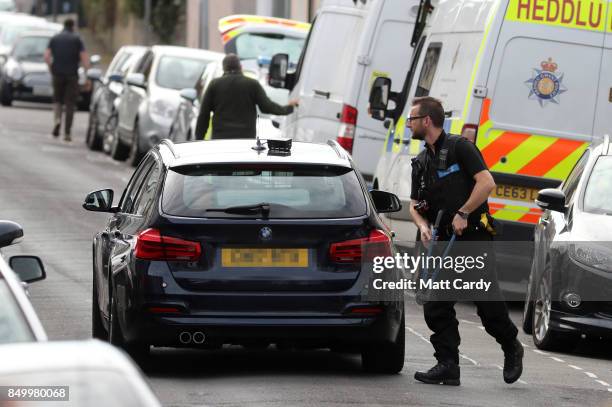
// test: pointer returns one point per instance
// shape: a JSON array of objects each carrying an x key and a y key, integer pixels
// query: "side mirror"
[
  {"x": 10, "y": 233},
  {"x": 379, "y": 98},
  {"x": 136, "y": 79},
  {"x": 94, "y": 59},
  {"x": 189, "y": 94},
  {"x": 28, "y": 268},
  {"x": 277, "y": 73},
  {"x": 94, "y": 74},
  {"x": 115, "y": 77},
  {"x": 551, "y": 199},
  {"x": 99, "y": 201},
  {"x": 385, "y": 202}
]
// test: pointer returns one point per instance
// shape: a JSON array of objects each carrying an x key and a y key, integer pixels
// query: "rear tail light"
[
  {"x": 470, "y": 131},
  {"x": 354, "y": 251},
  {"x": 151, "y": 245},
  {"x": 346, "y": 134}
]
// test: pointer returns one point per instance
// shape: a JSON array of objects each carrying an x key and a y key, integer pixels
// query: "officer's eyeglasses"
[{"x": 410, "y": 119}]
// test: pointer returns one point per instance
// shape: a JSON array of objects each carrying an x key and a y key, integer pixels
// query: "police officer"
[
  {"x": 450, "y": 175},
  {"x": 234, "y": 98},
  {"x": 63, "y": 54}
]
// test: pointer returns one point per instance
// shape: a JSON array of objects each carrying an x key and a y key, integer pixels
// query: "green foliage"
[
  {"x": 136, "y": 7},
  {"x": 165, "y": 17}
]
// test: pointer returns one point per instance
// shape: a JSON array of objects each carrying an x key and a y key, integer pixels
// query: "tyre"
[
  {"x": 93, "y": 138},
  {"x": 98, "y": 330},
  {"x": 109, "y": 133},
  {"x": 135, "y": 154},
  {"x": 139, "y": 351},
  {"x": 6, "y": 94},
  {"x": 84, "y": 102},
  {"x": 387, "y": 358},
  {"x": 544, "y": 337},
  {"x": 529, "y": 303},
  {"x": 119, "y": 151}
]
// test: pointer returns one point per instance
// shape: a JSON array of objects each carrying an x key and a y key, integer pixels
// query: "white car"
[{"x": 86, "y": 373}]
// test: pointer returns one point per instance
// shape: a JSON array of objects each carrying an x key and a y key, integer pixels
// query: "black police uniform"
[{"x": 445, "y": 180}]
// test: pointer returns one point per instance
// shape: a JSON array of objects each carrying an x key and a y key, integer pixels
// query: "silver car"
[
  {"x": 86, "y": 373},
  {"x": 149, "y": 102},
  {"x": 107, "y": 87},
  {"x": 18, "y": 321}
]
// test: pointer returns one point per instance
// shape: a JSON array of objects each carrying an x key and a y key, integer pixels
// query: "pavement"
[{"x": 43, "y": 183}]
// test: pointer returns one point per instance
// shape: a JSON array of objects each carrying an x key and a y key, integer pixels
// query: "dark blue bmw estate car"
[{"x": 229, "y": 242}]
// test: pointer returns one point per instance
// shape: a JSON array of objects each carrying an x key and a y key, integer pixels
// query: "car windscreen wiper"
[{"x": 263, "y": 208}]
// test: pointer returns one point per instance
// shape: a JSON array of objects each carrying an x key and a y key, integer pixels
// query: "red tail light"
[
  {"x": 352, "y": 251},
  {"x": 346, "y": 134},
  {"x": 470, "y": 131},
  {"x": 151, "y": 245}
]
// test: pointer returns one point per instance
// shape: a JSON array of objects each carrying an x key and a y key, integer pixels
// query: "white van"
[
  {"x": 530, "y": 81},
  {"x": 351, "y": 42}
]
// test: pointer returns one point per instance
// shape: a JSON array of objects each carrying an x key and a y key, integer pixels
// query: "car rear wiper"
[{"x": 263, "y": 208}]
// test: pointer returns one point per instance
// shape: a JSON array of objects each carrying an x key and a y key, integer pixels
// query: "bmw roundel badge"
[{"x": 265, "y": 233}]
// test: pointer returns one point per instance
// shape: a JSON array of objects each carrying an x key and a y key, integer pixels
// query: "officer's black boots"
[
  {"x": 513, "y": 362},
  {"x": 442, "y": 373}
]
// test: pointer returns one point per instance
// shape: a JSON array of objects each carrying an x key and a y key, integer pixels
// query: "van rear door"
[
  {"x": 388, "y": 55},
  {"x": 324, "y": 72},
  {"x": 603, "y": 115}
]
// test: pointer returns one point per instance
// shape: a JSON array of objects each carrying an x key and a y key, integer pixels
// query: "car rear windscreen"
[{"x": 296, "y": 192}]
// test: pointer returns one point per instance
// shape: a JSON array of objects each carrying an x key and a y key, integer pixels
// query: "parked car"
[
  {"x": 86, "y": 373},
  {"x": 228, "y": 242},
  {"x": 26, "y": 76},
  {"x": 184, "y": 124},
  {"x": 18, "y": 321},
  {"x": 148, "y": 104},
  {"x": 570, "y": 285},
  {"x": 107, "y": 87}
]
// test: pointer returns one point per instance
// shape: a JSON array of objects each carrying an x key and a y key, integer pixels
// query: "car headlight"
[
  {"x": 14, "y": 71},
  {"x": 162, "y": 110},
  {"x": 591, "y": 255}
]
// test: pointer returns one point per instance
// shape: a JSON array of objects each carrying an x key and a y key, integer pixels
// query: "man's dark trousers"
[
  {"x": 441, "y": 318},
  {"x": 65, "y": 92}
]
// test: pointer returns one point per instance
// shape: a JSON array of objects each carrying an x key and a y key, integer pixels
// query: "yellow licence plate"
[
  {"x": 247, "y": 257},
  {"x": 515, "y": 193}
]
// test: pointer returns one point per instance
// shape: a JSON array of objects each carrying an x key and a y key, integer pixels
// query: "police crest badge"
[{"x": 546, "y": 84}]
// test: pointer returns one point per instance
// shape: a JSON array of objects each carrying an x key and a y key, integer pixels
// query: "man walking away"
[
  {"x": 234, "y": 98},
  {"x": 63, "y": 54}
]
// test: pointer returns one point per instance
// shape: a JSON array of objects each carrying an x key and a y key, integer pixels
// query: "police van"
[
  {"x": 530, "y": 81},
  {"x": 351, "y": 42}
]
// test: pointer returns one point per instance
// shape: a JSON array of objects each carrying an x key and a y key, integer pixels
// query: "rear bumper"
[{"x": 165, "y": 330}]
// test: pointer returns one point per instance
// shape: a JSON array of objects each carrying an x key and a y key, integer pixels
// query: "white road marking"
[
  {"x": 575, "y": 367},
  {"x": 541, "y": 353},
  {"x": 412, "y": 331},
  {"x": 610, "y": 390},
  {"x": 468, "y": 322},
  {"x": 481, "y": 327},
  {"x": 591, "y": 375},
  {"x": 499, "y": 367},
  {"x": 461, "y": 355},
  {"x": 557, "y": 359},
  {"x": 602, "y": 383},
  {"x": 525, "y": 345},
  {"x": 522, "y": 381}
]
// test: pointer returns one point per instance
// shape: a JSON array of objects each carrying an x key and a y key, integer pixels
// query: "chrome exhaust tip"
[
  {"x": 199, "y": 337},
  {"x": 185, "y": 337}
]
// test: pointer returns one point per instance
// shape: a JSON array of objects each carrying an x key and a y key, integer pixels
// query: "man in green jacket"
[{"x": 234, "y": 98}]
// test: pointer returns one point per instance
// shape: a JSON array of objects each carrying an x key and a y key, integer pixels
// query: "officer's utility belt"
[{"x": 486, "y": 223}]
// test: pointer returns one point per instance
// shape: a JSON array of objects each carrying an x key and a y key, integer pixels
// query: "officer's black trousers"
[{"x": 441, "y": 318}]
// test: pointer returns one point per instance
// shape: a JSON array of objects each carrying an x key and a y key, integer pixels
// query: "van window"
[
  {"x": 332, "y": 49},
  {"x": 430, "y": 64}
]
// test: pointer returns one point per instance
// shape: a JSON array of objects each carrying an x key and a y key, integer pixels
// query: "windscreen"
[
  {"x": 10, "y": 33},
  {"x": 598, "y": 193},
  {"x": 31, "y": 49},
  {"x": 255, "y": 45},
  {"x": 179, "y": 72},
  {"x": 306, "y": 192}
]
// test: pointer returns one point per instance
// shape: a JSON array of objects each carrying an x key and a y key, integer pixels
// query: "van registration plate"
[{"x": 515, "y": 193}]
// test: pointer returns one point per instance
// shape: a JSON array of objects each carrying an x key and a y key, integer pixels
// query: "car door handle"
[{"x": 322, "y": 93}]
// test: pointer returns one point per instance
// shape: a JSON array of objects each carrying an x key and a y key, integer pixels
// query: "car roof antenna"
[{"x": 258, "y": 145}]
